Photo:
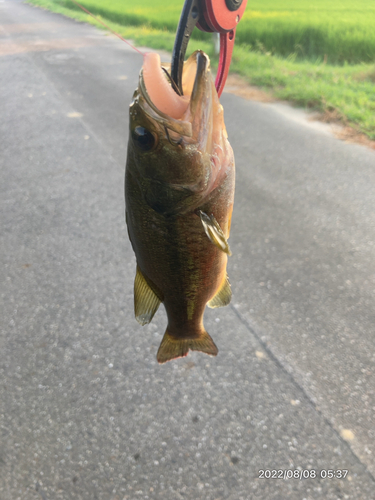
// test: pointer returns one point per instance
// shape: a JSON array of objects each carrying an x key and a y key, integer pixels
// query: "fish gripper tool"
[{"x": 213, "y": 16}]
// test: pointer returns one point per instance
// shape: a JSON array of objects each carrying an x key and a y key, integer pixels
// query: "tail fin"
[{"x": 172, "y": 347}]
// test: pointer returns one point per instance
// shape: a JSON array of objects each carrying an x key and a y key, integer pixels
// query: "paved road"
[{"x": 86, "y": 412}]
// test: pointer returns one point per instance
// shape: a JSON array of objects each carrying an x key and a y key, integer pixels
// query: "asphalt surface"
[{"x": 85, "y": 410}]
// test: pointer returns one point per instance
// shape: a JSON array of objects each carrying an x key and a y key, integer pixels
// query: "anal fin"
[
  {"x": 223, "y": 296},
  {"x": 146, "y": 302},
  {"x": 172, "y": 347},
  {"x": 214, "y": 232}
]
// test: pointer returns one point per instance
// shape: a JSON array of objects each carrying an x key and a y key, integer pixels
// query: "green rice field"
[
  {"x": 319, "y": 54},
  {"x": 338, "y": 30}
]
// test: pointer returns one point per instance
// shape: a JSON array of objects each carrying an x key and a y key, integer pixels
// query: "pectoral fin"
[
  {"x": 223, "y": 296},
  {"x": 172, "y": 347},
  {"x": 146, "y": 302},
  {"x": 214, "y": 232}
]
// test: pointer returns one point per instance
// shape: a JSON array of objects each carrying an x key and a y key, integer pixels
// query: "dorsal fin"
[
  {"x": 214, "y": 232},
  {"x": 146, "y": 302},
  {"x": 223, "y": 296}
]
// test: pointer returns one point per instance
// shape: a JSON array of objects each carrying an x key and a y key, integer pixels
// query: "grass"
[
  {"x": 347, "y": 90},
  {"x": 340, "y": 30},
  {"x": 316, "y": 54}
]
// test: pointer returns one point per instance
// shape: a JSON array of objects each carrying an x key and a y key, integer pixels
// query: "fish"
[{"x": 179, "y": 194}]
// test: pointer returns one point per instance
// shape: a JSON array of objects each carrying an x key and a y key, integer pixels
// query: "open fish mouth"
[{"x": 185, "y": 114}]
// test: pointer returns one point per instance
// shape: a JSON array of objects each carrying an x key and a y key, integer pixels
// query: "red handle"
[
  {"x": 226, "y": 49},
  {"x": 220, "y": 18}
]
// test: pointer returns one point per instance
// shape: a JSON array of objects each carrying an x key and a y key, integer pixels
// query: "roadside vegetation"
[{"x": 317, "y": 54}]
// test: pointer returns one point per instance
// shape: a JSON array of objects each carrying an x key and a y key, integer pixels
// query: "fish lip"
[
  {"x": 201, "y": 91},
  {"x": 201, "y": 80},
  {"x": 204, "y": 104},
  {"x": 181, "y": 127}
]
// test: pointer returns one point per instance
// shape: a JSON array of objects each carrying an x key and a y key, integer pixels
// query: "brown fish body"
[{"x": 179, "y": 200}]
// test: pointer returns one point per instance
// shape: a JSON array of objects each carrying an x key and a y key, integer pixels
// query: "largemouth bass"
[{"x": 179, "y": 190}]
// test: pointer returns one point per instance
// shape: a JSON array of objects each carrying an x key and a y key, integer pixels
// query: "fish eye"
[{"x": 143, "y": 138}]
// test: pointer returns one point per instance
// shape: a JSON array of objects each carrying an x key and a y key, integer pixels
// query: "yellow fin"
[
  {"x": 146, "y": 302},
  {"x": 223, "y": 296},
  {"x": 172, "y": 347},
  {"x": 214, "y": 232}
]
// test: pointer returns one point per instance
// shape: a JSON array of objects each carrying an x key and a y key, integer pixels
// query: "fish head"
[{"x": 178, "y": 145}]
